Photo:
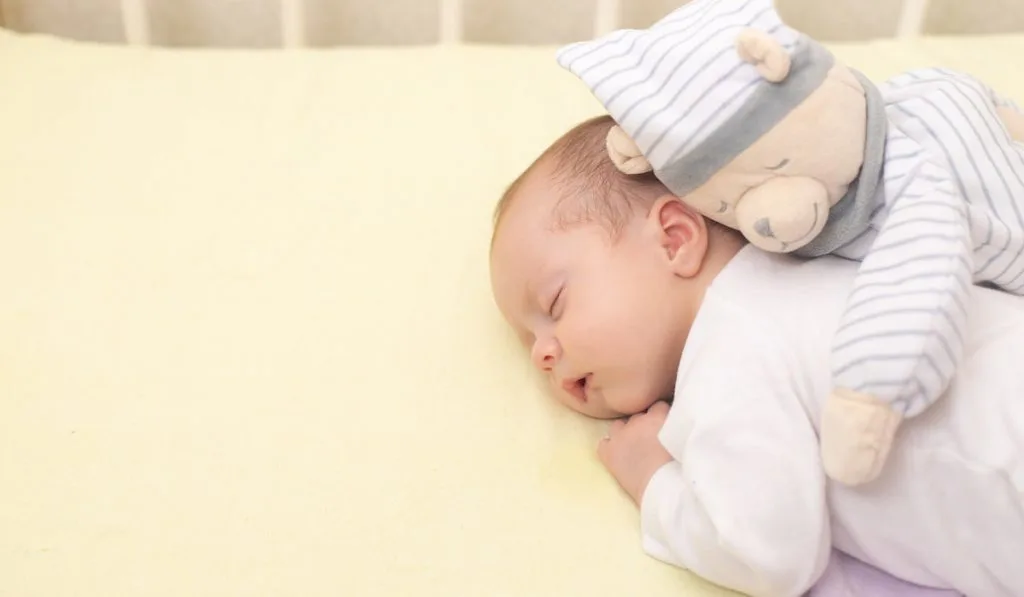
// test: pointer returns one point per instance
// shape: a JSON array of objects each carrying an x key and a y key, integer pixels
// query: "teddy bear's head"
[
  {"x": 779, "y": 190},
  {"x": 747, "y": 120}
]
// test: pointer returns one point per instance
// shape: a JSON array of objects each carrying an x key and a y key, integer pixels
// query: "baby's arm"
[
  {"x": 902, "y": 333},
  {"x": 743, "y": 503}
]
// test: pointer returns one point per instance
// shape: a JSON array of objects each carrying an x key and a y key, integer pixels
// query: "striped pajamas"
[{"x": 952, "y": 214}]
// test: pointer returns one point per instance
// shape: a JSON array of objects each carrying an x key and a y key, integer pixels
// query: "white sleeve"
[{"x": 743, "y": 505}]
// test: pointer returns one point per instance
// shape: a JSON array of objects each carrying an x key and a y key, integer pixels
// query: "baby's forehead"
[
  {"x": 528, "y": 220},
  {"x": 533, "y": 199}
]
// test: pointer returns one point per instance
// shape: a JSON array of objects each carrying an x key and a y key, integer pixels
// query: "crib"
[
  {"x": 607, "y": 18},
  {"x": 292, "y": 19},
  {"x": 247, "y": 344}
]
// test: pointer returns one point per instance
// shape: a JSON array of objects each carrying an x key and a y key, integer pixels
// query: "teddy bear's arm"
[{"x": 901, "y": 337}]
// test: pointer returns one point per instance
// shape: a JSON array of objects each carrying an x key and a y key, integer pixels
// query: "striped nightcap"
[{"x": 681, "y": 91}]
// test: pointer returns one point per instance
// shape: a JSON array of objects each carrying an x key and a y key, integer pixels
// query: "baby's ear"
[
  {"x": 682, "y": 233},
  {"x": 764, "y": 52},
  {"x": 624, "y": 153}
]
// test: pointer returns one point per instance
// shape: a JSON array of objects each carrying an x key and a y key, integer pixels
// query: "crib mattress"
[{"x": 247, "y": 345}]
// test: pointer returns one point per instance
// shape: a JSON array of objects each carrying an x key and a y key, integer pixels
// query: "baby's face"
[{"x": 597, "y": 316}]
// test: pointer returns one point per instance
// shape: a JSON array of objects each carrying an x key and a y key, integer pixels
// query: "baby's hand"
[{"x": 631, "y": 451}]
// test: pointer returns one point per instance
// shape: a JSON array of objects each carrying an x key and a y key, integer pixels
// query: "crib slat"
[
  {"x": 450, "y": 26},
  {"x": 912, "y": 18},
  {"x": 607, "y": 16},
  {"x": 293, "y": 23},
  {"x": 135, "y": 21}
]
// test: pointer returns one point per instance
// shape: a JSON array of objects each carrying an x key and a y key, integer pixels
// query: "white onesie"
[{"x": 746, "y": 504}]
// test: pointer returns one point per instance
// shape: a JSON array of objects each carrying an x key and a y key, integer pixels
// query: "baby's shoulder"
[
  {"x": 739, "y": 357},
  {"x": 765, "y": 310},
  {"x": 767, "y": 290},
  {"x": 746, "y": 325}
]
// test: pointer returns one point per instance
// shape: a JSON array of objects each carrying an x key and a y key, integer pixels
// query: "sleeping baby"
[{"x": 712, "y": 356}]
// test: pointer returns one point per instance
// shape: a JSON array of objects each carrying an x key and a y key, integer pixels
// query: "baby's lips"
[{"x": 576, "y": 387}]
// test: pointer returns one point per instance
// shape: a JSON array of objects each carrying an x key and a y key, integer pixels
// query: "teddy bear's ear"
[
  {"x": 624, "y": 153},
  {"x": 764, "y": 52}
]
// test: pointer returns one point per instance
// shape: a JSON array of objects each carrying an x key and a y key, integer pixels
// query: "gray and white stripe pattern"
[
  {"x": 952, "y": 216},
  {"x": 686, "y": 64}
]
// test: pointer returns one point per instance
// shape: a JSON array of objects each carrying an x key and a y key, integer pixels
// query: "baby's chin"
[
  {"x": 649, "y": 403},
  {"x": 636, "y": 406}
]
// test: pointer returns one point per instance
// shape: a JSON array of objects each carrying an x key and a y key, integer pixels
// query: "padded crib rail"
[{"x": 135, "y": 17}]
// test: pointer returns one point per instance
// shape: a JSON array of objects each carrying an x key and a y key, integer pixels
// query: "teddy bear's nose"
[{"x": 764, "y": 228}]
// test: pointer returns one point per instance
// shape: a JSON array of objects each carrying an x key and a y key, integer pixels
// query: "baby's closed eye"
[{"x": 557, "y": 302}]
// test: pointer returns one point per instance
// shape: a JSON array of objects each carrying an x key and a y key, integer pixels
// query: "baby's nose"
[{"x": 546, "y": 352}]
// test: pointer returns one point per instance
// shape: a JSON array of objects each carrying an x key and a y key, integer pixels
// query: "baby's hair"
[{"x": 592, "y": 188}]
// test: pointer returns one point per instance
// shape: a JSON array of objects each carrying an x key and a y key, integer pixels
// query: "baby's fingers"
[{"x": 659, "y": 408}]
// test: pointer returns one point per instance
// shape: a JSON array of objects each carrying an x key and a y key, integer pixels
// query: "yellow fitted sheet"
[{"x": 247, "y": 345}]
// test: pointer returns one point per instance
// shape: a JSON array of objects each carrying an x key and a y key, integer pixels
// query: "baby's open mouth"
[{"x": 577, "y": 387}]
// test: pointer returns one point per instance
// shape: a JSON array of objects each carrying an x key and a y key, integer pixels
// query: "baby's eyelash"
[
  {"x": 554, "y": 302},
  {"x": 779, "y": 165}
]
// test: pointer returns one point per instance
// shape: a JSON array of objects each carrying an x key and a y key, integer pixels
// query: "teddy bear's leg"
[{"x": 1013, "y": 120}]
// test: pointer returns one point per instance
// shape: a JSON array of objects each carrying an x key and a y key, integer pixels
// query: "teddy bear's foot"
[{"x": 857, "y": 432}]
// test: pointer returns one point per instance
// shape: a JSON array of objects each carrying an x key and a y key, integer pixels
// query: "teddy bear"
[{"x": 920, "y": 179}]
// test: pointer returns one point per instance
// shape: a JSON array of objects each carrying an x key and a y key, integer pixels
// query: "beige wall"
[
  {"x": 976, "y": 16},
  {"x": 331, "y": 22}
]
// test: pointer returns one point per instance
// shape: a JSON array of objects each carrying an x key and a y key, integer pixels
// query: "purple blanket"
[{"x": 847, "y": 577}]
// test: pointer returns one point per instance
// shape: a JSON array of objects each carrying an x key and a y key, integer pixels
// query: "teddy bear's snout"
[{"x": 764, "y": 228}]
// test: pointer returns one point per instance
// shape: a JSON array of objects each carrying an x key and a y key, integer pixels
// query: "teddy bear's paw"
[{"x": 857, "y": 432}]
